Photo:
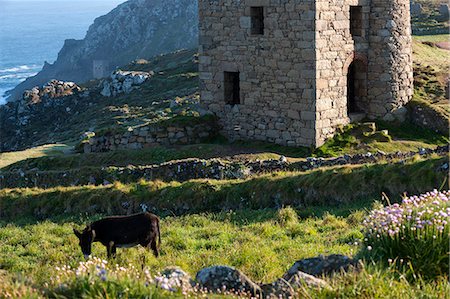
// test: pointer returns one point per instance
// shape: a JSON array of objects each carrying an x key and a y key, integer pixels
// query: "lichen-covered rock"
[
  {"x": 278, "y": 289},
  {"x": 299, "y": 279},
  {"x": 321, "y": 265},
  {"x": 174, "y": 279},
  {"x": 219, "y": 279}
]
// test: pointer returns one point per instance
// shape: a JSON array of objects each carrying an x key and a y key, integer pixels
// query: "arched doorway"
[{"x": 357, "y": 88}]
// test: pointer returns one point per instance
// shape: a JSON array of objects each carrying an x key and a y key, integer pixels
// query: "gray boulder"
[
  {"x": 218, "y": 279},
  {"x": 400, "y": 113},
  {"x": 300, "y": 279},
  {"x": 321, "y": 265},
  {"x": 278, "y": 289}
]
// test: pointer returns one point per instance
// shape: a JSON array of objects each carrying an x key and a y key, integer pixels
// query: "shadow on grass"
[{"x": 312, "y": 193}]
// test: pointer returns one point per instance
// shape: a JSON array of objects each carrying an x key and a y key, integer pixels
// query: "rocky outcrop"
[
  {"x": 53, "y": 89},
  {"x": 135, "y": 29},
  {"x": 47, "y": 106},
  {"x": 123, "y": 82},
  {"x": 45, "y": 96}
]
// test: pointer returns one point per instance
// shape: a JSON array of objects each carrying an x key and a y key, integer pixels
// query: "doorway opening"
[{"x": 357, "y": 88}]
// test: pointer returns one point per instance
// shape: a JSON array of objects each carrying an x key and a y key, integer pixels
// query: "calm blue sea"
[{"x": 33, "y": 31}]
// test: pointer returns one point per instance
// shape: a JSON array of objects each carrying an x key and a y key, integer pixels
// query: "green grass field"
[
  {"x": 262, "y": 243},
  {"x": 242, "y": 223}
]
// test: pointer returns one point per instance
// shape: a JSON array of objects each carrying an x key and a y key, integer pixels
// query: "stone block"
[
  {"x": 308, "y": 115},
  {"x": 294, "y": 114},
  {"x": 245, "y": 22}
]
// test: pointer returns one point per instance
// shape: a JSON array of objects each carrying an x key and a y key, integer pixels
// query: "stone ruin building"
[
  {"x": 100, "y": 69},
  {"x": 292, "y": 71}
]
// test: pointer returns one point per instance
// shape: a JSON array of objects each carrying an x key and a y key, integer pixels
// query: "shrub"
[
  {"x": 287, "y": 217},
  {"x": 412, "y": 236}
]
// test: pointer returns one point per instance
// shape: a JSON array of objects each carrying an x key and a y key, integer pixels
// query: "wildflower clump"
[
  {"x": 412, "y": 236},
  {"x": 96, "y": 274}
]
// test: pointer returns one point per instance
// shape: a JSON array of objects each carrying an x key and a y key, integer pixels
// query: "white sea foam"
[
  {"x": 17, "y": 76},
  {"x": 19, "y": 68}
]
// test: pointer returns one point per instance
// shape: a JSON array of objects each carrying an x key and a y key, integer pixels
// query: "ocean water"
[{"x": 33, "y": 31}]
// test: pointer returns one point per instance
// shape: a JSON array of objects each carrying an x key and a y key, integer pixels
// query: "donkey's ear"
[{"x": 77, "y": 233}]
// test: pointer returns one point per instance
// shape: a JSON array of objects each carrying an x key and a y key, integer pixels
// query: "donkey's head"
[{"x": 86, "y": 238}]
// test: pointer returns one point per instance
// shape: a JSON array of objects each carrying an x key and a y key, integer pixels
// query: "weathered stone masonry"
[{"x": 317, "y": 65}]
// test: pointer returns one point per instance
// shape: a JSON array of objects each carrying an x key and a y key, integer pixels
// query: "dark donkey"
[{"x": 121, "y": 231}]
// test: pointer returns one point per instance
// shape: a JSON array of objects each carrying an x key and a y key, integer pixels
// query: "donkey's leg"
[
  {"x": 154, "y": 247},
  {"x": 111, "y": 249}
]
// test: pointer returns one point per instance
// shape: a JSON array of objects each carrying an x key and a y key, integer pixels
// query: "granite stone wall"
[
  {"x": 293, "y": 77},
  {"x": 336, "y": 49},
  {"x": 277, "y": 69},
  {"x": 390, "y": 72}
]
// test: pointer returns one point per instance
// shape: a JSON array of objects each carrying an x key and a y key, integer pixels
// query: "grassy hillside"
[
  {"x": 260, "y": 225},
  {"x": 176, "y": 78},
  {"x": 328, "y": 186},
  {"x": 48, "y": 150},
  {"x": 431, "y": 72}
]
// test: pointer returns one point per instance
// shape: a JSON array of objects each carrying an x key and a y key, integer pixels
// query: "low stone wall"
[
  {"x": 189, "y": 169},
  {"x": 150, "y": 136},
  {"x": 181, "y": 170}
]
